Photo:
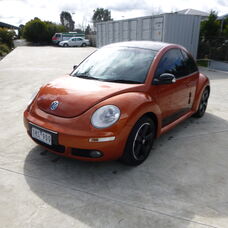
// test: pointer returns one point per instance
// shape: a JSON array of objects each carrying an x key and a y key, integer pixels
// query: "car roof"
[{"x": 153, "y": 45}]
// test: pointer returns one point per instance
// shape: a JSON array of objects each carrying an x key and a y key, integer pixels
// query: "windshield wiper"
[
  {"x": 123, "y": 81},
  {"x": 109, "y": 80},
  {"x": 87, "y": 77}
]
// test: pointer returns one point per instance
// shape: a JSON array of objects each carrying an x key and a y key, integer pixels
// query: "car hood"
[{"x": 75, "y": 95}]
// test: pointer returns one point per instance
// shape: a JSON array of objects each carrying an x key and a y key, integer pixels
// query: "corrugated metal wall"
[
  {"x": 143, "y": 28},
  {"x": 172, "y": 28},
  {"x": 183, "y": 30}
]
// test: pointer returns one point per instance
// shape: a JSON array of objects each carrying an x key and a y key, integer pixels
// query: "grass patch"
[{"x": 202, "y": 62}]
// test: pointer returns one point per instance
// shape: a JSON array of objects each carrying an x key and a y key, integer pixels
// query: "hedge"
[{"x": 38, "y": 31}]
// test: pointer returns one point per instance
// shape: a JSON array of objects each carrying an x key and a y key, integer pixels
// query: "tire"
[
  {"x": 65, "y": 45},
  {"x": 140, "y": 142},
  {"x": 83, "y": 45},
  {"x": 203, "y": 104}
]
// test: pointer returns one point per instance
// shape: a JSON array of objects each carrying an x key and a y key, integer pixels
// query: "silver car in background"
[{"x": 75, "y": 41}]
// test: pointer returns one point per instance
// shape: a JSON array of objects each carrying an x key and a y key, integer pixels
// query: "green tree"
[
  {"x": 225, "y": 28},
  {"x": 88, "y": 30},
  {"x": 6, "y": 37},
  {"x": 226, "y": 31},
  {"x": 53, "y": 28},
  {"x": 78, "y": 30},
  {"x": 35, "y": 31},
  {"x": 38, "y": 31},
  {"x": 66, "y": 20},
  {"x": 211, "y": 27},
  {"x": 101, "y": 14},
  {"x": 213, "y": 36},
  {"x": 20, "y": 31}
]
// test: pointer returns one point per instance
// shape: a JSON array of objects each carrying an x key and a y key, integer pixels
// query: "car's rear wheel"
[
  {"x": 203, "y": 104},
  {"x": 140, "y": 142},
  {"x": 65, "y": 45}
]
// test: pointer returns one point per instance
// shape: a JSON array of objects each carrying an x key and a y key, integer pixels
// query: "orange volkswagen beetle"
[{"x": 117, "y": 101}]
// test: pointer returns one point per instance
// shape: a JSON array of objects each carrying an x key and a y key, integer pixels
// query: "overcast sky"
[{"x": 18, "y": 12}]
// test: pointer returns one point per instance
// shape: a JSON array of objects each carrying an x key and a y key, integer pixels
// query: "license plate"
[{"x": 42, "y": 136}]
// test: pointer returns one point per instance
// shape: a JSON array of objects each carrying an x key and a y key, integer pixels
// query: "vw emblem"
[{"x": 54, "y": 105}]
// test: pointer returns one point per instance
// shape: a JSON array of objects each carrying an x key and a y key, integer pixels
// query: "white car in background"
[{"x": 74, "y": 41}]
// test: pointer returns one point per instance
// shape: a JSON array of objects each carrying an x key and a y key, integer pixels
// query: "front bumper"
[{"x": 76, "y": 143}]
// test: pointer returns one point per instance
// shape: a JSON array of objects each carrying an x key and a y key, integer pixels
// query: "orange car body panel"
[{"x": 80, "y": 98}]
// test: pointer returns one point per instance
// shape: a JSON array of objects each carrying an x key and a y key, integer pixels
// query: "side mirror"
[
  {"x": 165, "y": 78},
  {"x": 75, "y": 66}
]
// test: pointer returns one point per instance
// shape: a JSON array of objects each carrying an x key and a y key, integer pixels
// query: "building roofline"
[{"x": 5, "y": 25}]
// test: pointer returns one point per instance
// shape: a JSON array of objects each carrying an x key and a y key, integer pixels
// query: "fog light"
[
  {"x": 106, "y": 139},
  {"x": 95, "y": 154}
]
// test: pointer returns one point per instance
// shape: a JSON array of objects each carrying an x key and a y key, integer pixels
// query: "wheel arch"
[
  {"x": 202, "y": 84},
  {"x": 152, "y": 116},
  {"x": 209, "y": 88}
]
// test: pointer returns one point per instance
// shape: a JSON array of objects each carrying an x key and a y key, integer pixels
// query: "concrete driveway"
[{"x": 184, "y": 182}]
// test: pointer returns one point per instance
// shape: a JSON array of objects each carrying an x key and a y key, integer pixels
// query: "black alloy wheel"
[
  {"x": 140, "y": 142},
  {"x": 203, "y": 104}
]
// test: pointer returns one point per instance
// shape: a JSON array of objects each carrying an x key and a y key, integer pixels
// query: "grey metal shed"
[{"x": 170, "y": 28}]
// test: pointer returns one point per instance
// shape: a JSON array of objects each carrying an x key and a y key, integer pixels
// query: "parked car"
[
  {"x": 117, "y": 101},
  {"x": 74, "y": 41},
  {"x": 58, "y": 37}
]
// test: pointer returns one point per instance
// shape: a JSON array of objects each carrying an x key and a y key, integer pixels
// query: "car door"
[
  {"x": 173, "y": 99},
  {"x": 70, "y": 42},
  {"x": 73, "y": 42},
  {"x": 79, "y": 41},
  {"x": 191, "y": 77}
]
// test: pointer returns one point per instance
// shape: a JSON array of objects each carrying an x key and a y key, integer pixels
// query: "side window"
[
  {"x": 189, "y": 62},
  {"x": 73, "y": 39},
  {"x": 172, "y": 62}
]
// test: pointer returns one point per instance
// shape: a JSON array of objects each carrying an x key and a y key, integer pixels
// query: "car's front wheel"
[
  {"x": 140, "y": 142},
  {"x": 83, "y": 45},
  {"x": 65, "y": 45},
  {"x": 203, "y": 104}
]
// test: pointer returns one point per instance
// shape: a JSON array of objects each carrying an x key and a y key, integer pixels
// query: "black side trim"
[{"x": 174, "y": 116}]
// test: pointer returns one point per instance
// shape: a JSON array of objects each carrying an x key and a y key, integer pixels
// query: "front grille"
[{"x": 57, "y": 148}]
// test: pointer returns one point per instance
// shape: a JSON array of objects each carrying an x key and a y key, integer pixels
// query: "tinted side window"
[
  {"x": 172, "y": 62},
  {"x": 189, "y": 62}
]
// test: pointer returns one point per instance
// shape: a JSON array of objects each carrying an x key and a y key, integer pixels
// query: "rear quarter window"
[{"x": 189, "y": 62}]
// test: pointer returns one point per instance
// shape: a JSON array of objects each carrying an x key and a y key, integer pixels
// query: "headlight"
[{"x": 105, "y": 116}]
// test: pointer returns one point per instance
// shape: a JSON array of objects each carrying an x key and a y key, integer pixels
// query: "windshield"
[{"x": 117, "y": 64}]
